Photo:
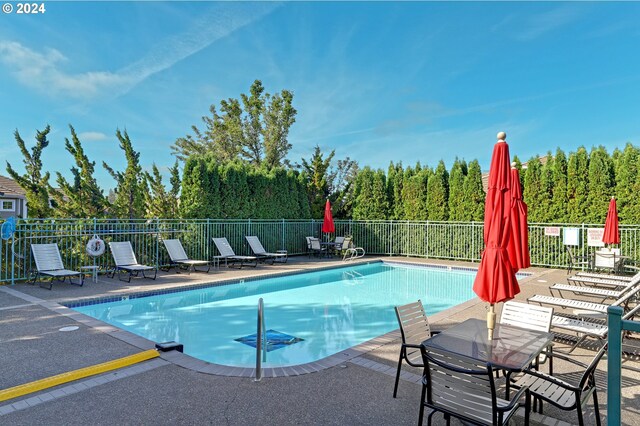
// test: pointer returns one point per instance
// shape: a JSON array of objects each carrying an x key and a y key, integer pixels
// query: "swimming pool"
[{"x": 312, "y": 315}]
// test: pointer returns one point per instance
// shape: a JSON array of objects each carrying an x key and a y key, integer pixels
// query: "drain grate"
[{"x": 275, "y": 340}]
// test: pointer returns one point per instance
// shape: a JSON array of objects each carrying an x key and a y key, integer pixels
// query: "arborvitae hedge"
[{"x": 237, "y": 191}]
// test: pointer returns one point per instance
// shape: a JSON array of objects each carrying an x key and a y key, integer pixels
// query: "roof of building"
[{"x": 10, "y": 188}]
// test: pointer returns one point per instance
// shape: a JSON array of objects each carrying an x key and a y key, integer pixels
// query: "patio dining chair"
[
  {"x": 576, "y": 261},
  {"x": 530, "y": 317},
  {"x": 561, "y": 392},
  {"x": 414, "y": 328},
  {"x": 315, "y": 247},
  {"x": 464, "y": 388}
]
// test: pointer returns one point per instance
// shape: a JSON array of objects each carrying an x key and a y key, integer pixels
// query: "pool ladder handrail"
[
  {"x": 261, "y": 342},
  {"x": 353, "y": 253}
]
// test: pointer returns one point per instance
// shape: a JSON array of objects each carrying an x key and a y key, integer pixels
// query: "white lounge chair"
[
  {"x": 627, "y": 295},
  {"x": 583, "y": 323},
  {"x": 179, "y": 257},
  {"x": 125, "y": 260},
  {"x": 603, "y": 276},
  {"x": 49, "y": 263},
  {"x": 261, "y": 253},
  {"x": 604, "y": 282},
  {"x": 605, "y": 293},
  {"x": 586, "y": 291},
  {"x": 227, "y": 253}
]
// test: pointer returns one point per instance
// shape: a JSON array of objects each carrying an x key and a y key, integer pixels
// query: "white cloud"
[
  {"x": 44, "y": 70},
  {"x": 92, "y": 136},
  {"x": 540, "y": 24}
]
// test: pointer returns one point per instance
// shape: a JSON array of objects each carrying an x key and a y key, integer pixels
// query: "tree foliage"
[
  {"x": 600, "y": 185},
  {"x": 474, "y": 195},
  {"x": 81, "y": 197},
  {"x": 160, "y": 202},
  {"x": 577, "y": 185},
  {"x": 33, "y": 182},
  {"x": 316, "y": 171},
  {"x": 254, "y": 129},
  {"x": 131, "y": 186},
  {"x": 438, "y": 193},
  {"x": 456, "y": 190}
]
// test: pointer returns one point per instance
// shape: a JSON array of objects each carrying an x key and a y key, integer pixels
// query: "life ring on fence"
[{"x": 95, "y": 247}]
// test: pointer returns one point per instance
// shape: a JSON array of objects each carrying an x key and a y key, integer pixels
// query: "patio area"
[{"x": 170, "y": 390}]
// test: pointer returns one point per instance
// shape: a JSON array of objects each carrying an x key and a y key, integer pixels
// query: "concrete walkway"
[{"x": 163, "y": 391}]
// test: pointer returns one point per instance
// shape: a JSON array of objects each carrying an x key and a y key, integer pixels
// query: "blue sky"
[{"x": 375, "y": 81}]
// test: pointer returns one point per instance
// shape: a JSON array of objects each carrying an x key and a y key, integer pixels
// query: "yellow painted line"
[{"x": 70, "y": 376}]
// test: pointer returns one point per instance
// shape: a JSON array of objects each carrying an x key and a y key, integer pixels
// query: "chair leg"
[
  {"x": 421, "y": 416},
  {"x": 579, "y": 410},
  {"x": 395, "y": 388},
  {"x": 595, "y": 407}
]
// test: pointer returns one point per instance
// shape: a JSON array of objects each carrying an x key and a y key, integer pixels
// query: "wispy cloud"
[
  {"x": 92, "y": 136},
  {"x": 543, "y": 23},
  {"x": 44, "y": 70}
]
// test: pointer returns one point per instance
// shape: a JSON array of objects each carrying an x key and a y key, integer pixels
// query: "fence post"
[
  {"x": 283, "y": 236},
  {"x": 614, "y": 367},
  {"x": 426, "y": 251}
]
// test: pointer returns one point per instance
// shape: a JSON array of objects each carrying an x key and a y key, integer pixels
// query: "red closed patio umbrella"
[
  {"x": 611, "y": 232},
  {"x": 518, "y": 247},
  {"x": 327, "y": 225},
  {"x": 496, "y": 280}
]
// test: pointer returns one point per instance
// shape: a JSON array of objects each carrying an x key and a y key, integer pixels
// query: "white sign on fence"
[
  {"x": 594, "y": 237},
  {"x": 552, "y": 231},
  {"x": 571, "y": 236}
]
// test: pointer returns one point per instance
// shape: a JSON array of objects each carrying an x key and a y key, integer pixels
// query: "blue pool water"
[{"x": 311, "y": 315}]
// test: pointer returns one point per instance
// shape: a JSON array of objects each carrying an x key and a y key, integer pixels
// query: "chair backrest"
[
  {"x": 413, "y": 322},
  {"x": 175, "y": 250},
  {"x": 223, "y": 247},
  {"x": 606, "y": 258},
  {"x": 315, "y": 244},
  {"x": 346, "y": 243},
  {"x": 256, "y": 245},
  {"x": 308, "y": 242},
  {"x": 338, "y": 240},
  {"x": 122, "y": 253},
  {"x": 527, "y": 316},
  {"x": 460, "y": 386},
  {"x": 47, "y": 257}
]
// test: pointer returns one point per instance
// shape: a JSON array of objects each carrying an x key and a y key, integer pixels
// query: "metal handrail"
[{"x": 261, "y": 342}]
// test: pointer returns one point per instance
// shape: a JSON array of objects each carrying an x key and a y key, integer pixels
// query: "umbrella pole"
[{"x": 491, "y": 320}]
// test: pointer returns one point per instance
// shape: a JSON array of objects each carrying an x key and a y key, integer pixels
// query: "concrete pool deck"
[{"x": 170, "y": 390}]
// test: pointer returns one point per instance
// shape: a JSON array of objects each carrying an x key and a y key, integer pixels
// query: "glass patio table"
[{"x": 512, "y": 348}]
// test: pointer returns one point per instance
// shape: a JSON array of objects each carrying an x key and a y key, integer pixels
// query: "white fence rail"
[{"x": 442, "y": 240}]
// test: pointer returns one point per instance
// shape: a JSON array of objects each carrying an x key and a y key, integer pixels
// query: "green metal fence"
[{"x": 438, "y": 240}]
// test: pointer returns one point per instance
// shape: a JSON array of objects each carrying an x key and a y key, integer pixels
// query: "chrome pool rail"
[
  {"x": 261, "y": 342},
  {"x": 428, "y": 239}
]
